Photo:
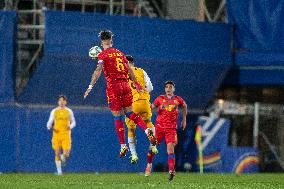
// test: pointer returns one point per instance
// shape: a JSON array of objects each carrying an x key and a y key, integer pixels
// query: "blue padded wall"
[
  {"x": 95, "y": 145},
  {"x": 8, "y": 134},
  {"x": 195, "y": 55},
  {"x": 156, "y": 39},
  {"x": 7, "y": 54}
]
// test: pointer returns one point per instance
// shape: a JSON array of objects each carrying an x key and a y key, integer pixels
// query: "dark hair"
[
  {"x": 170, "y": 82},
  {"x": 62, "y": 96},
  {"x": 105, "y": 35},
  {"x": 130, "y": 58}
]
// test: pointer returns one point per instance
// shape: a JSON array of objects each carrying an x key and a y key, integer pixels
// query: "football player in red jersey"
[
  {"x": 117, "y": 71},
  {"x": 166, "y": 125}
]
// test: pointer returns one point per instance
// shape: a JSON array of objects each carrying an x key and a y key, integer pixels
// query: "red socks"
[
  {"x": 171, "y": 161},
  {"x": 119, "y": 129},
  {"x": 150, "y": 156},
  {"x": 137, "y": 120}
]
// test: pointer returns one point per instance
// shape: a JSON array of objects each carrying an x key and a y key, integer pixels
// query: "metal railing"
[
  {"x": 218, "y": 15},
  {"x": 111, "y": 4},
  {"x": 31, "y": 28}
]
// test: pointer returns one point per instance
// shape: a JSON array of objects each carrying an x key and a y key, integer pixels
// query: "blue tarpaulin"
[
  {"x": 195, "y": 55},
  {"x": 258, "y": 24}
]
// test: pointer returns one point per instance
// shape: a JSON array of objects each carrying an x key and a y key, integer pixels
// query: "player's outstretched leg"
[
  {"x": 152, "y": 128},
  {"x": 138, "y": 121},
  {"x": 171, "y": 160},
  {"x": 154, "y": 149},
  {"x": 119, "y": 127},
  {"x": 132, "y": 145},
  {"x": 150, "y": 158}
]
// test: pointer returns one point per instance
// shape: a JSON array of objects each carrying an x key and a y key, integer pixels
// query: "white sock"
[
  {"x": 122, "y": 145},
  {"x": 146, "y": 131},
  {"x": 132, "y": 145},
  {"x": 58, "y": 167},
  {"x": 153, "y": 130}
]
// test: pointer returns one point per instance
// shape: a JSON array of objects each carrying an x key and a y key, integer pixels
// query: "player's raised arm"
[
  {"x": 96, "y": 75},
  {"x": 50, "y": 120}
]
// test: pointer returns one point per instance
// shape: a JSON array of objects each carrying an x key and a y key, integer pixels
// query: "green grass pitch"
[{"x": 135, "y": 180}]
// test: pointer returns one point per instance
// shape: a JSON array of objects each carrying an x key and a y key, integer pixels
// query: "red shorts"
[
  {"x": 169, "y": 134},
  {"x": 119, "y": 95}
]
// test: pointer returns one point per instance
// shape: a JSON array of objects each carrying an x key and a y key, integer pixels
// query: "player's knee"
[
  {"x": 170, "y": 151},
  {"x": 116, "y": 113},
  {"x": 170, "y": 148},
  {"x": 66, "y": 154}
]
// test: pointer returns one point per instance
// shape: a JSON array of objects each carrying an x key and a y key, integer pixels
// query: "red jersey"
[
  {"x": 168, "y": 111},
  {"x": 115, "y": 64}
]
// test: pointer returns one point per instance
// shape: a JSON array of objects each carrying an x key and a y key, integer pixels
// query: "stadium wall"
[
  {"x": 26, "y": 142},
  {"x": 8, "y": 142},
  {"x": 195, "y": 55},
  {"x": 7, "y": 55}
]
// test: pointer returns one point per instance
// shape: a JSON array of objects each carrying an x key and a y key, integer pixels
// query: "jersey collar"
[{"x": 169, "y": 98}]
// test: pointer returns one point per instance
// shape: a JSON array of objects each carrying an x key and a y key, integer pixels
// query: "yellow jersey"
[
  {"x": 144, "y": 81},
  {"x": 62, "y": 120}
]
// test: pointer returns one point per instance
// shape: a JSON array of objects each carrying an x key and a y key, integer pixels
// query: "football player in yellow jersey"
[
  {"x": 61, "y": 121},
  {"x": 141, "y": 105}
]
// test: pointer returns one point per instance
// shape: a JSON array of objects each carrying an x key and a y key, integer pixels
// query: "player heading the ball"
[{"x": 116, "y": 70}]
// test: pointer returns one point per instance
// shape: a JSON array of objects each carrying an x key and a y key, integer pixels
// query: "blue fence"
[
  {"x": 195, "y": 55},
  {"x": 26, "y": 143},
  {"x": 7, "y": 55}
]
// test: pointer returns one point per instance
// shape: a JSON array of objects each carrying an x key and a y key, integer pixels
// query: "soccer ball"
[
  {"x": 94, "y": 52},
  {"x": 187, "y": 166}
]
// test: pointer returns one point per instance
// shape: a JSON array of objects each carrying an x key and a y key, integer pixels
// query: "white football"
[{"x": 95, "y": 51}]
